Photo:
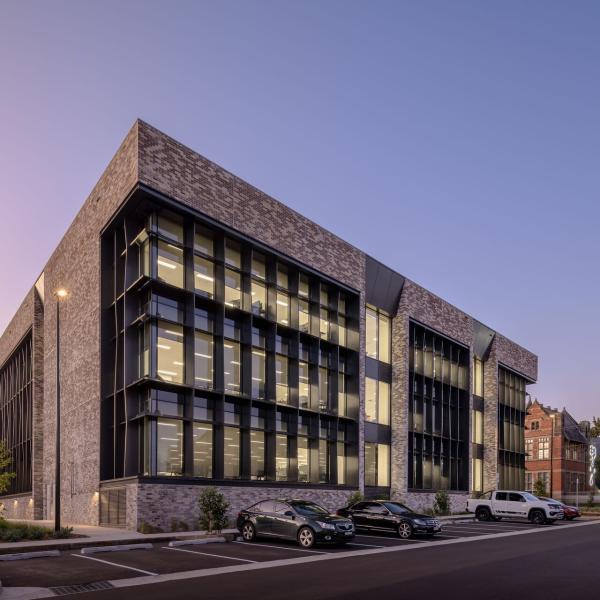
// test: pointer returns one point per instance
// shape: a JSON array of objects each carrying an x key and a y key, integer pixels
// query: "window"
[
  {"x": 233, "y": 288},
  {"x": 341, "y": 463},
  {"x": 528, "y": 449},
  {"x": 257, "y": 455},
  {"x": 204, "y": 277},
  {"x": 303, "y": 460},
  {"x": 324, "y": 296},
  {"x": 303, "y": 287},
  {"x": 543, "y": 448},
  {"x": 303, "y": 316},
  {"x": 203, "y": 360},
  {"x": 303, "y": 384},
  {"x": 477, "y": 436},
  {"x": 341, "y": 330},
  {"x": 259, "y": 298},
  {"x": 169, "y": 264},
  {"x": 535, "y": 425},
  {"x": 323, "y": 461},
  {"x": 478, "y": 377},
  {"x": 258, "y": 266},
  {"x": 281, "y": 379},
  {"x": 165, "y": 308},
  {"x": 283, "y": 308},
  {"x": 232, "y": 364},
  {"x": 323, "y": 388},
  {"x": 282, "y": 461},
  {"x": 203, "y": 449},
  {"x": 377, "y": 401},
  {"x": 324, "y": 324},
  {"x": 231, "y": 452},
  {"x": 378, "y": 335},
  {"x": 169, "y": 447},
  {"x": 477, "y": 475},
  {"x": 282, "y": 277},
  {"x": 169, "y": 352},
  {"x": 342, "y": 400},
  {"x": 170, "y": 229},
  {"x": 233, "y": 257},
  {"x": 203, "y": 241},
  {"x": 529, "y": 481},
  {"x": 166, "y": 404},
  {"x": 203, "y": 409},
  {"x": 258, "y": 373},
  {"x": 377, "y": 465}
]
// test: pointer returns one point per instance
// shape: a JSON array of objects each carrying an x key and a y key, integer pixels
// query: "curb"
[
  {"x": 215, "y": 540},
  {"x": 116, "y": 548},
  {"x": 26, "y": 555}
]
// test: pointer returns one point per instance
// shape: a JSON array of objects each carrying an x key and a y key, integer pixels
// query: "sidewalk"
[{"x": 95, "y": 536}]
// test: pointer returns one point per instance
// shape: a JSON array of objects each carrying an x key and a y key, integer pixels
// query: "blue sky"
[{"x": 458, "y": 142}]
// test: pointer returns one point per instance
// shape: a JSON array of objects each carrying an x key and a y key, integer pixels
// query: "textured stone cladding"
[
  {"x": 176, "y": 171},
  {"x": 421, "y": 305},
  {"x": 157, "y": 504},
  {"x": 17, "y": 507}
]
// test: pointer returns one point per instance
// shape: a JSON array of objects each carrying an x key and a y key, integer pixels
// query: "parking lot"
[{"x": 73, "y": 572}]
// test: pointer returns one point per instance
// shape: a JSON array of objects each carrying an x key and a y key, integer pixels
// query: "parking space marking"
[
  {"x": 114, "y": 564},
  {"x": 260, "y": 545},
  {"x": 397, "y": 539},
  {"x": 209, "y": 554},
  {"x": 489, "y": 529},
  {"x": 365, "y": 545}
]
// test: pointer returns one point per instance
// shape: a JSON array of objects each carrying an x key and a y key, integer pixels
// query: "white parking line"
[
  {"x": 481, "y": 531},
  {"x": 365, "y": 545},
  {"x": 260, "y": 545},
  {"x": 114, "y": 564},
  {"x": 393, "y": 539},
  {"x": 209, "y": 554}
]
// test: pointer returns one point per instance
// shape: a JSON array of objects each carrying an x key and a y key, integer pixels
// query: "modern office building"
[
  {"x": 211, "y": 335},
  {"x": 557, "y": 453}
]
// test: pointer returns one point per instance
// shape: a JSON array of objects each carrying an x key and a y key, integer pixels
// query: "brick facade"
[
  {"x": 153, "y": 159},
  {"x": 566, "y": 458}
]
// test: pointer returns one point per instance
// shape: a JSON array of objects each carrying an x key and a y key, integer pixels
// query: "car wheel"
[
  {"x": 537, "y": 517},
  {"x": 248, "y": 532},
  {"x": 405, "y": 530},
  {"x": 306, "y": 537},
  {"x": 497, "y": 518},
  {"x": 483, "y": 514}
]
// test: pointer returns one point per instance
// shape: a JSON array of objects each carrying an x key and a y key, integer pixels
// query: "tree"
[
  {"x": 597, "y": 471},
  {"x": 5, "y": 461},
  {"x": 539, "y": 488},
  {"x": 595, "y": 429},
  {"x": 441, "y": 504},
  {"x": 355, "y": 497},
  {"x": 213, "y": 510}
]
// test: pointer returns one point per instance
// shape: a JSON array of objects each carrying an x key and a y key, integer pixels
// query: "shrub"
[
  {"x": 178, "y": 525},
  {"x": 213, "y": 510},
  {"x": 63, "y": 533},
  {"x": 441, "y": 504},
  {"x": 539, "y": 488},
  {"x": 355, "y": 497},
  {"x": 145, "y": 527},
  {"x": 15, "y": 532},
  {"x": 590, "y": 501}
]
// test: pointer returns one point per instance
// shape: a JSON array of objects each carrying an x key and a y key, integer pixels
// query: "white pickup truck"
[{"x": 509, "y": 504}]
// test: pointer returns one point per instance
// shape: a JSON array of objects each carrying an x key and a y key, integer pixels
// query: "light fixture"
[{"x": 61, "y": 293}]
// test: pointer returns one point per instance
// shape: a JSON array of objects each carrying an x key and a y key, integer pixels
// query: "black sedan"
[
  {"x": 387, "y": 516},
  {"x": 300, "y": 520}
]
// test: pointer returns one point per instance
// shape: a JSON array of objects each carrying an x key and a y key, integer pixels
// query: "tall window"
[
  {"x": 543, "y": 448},
  {"x": 169, "y": 352},
  {"x": 303, "y": 316},
  {"x": 377, "y": 401},
  {"x": 203, "y": 449},
  {"x": 303, "y": 460},
  {"x": 231, "y": 454},
  {"x": 283, "y": 308},
  {"x": 203, "y": 241},
  {"x": 169, "y": 264},
  {"x": 377, "y": 465},
  {"x": 478, "y": 377},
  {"x": 282, "y": 460},
  {"x": 341, "y": 463},
  {"x": 233, "y": 366},
  {"x": 257, "y": 455},
  {"x": 477, "y": 475},
  {"x": 303, "y": 384},
  {"x": 233, "y": 288},
  {"x": 323, "y": 388},
  {"x": 203, "y": 360},
  {"x": 378, "y": 335},
  {"x": 204, "y": 277},
  {"x": 169, "y": 447},
  {"x": 259, "y": 298},
  {"x": 477, "y": 424},
  {"x": 324, "y": 324},
  {"x": 529, "y": 449}
]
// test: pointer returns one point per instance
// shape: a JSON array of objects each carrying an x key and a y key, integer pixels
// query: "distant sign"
[{"x": 593, "y": 453}]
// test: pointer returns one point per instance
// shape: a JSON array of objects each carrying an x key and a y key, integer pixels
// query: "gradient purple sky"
[{"x": 458, "y": 142}]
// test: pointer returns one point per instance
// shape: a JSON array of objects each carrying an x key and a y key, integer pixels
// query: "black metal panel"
[
  {"x": 383, "y": 286},
  {"x": 482, "y": 340},
  {"x": 477, "y": 450},
  {"x": 377, "y": 434},
  {"x": 478, "y": 403},
  {"x": 376, "y": 369}
]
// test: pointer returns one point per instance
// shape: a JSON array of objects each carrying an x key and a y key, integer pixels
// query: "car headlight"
[
  {"x": 419, "y": 522},
  {"x": 326, "y": 525}
]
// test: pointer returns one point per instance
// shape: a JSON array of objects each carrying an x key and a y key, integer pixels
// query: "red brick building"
[{"x": 556, "y": 451}]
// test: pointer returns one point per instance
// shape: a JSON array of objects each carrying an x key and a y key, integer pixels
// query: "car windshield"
[
  {"x": 529, "y": 497},
  {"x": 309, "y": 509},
  {"x": 396, "y": 508}
]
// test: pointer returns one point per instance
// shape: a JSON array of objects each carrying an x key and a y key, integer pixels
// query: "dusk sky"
[{"x": 457, "y": 142}]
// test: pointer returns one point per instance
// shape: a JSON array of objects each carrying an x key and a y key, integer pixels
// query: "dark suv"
[
  {"x": 387, "y": 516},
  {"x": 300, "y": 520}
]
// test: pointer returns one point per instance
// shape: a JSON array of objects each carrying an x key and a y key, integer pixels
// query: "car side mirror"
[{"x": 289, "y": 513}]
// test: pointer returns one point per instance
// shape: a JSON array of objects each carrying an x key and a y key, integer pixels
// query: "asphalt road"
[{"x": 559, "y": 563}]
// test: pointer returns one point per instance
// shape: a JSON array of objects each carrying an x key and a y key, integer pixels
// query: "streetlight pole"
[
  {"x": 60, "y": 295},
  {"x": 552, "y": 456}
]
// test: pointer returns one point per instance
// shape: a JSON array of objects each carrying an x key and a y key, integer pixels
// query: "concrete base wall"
[
  {"x": 158, "y": 504},
  {"x": 421, "y": 502}
]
